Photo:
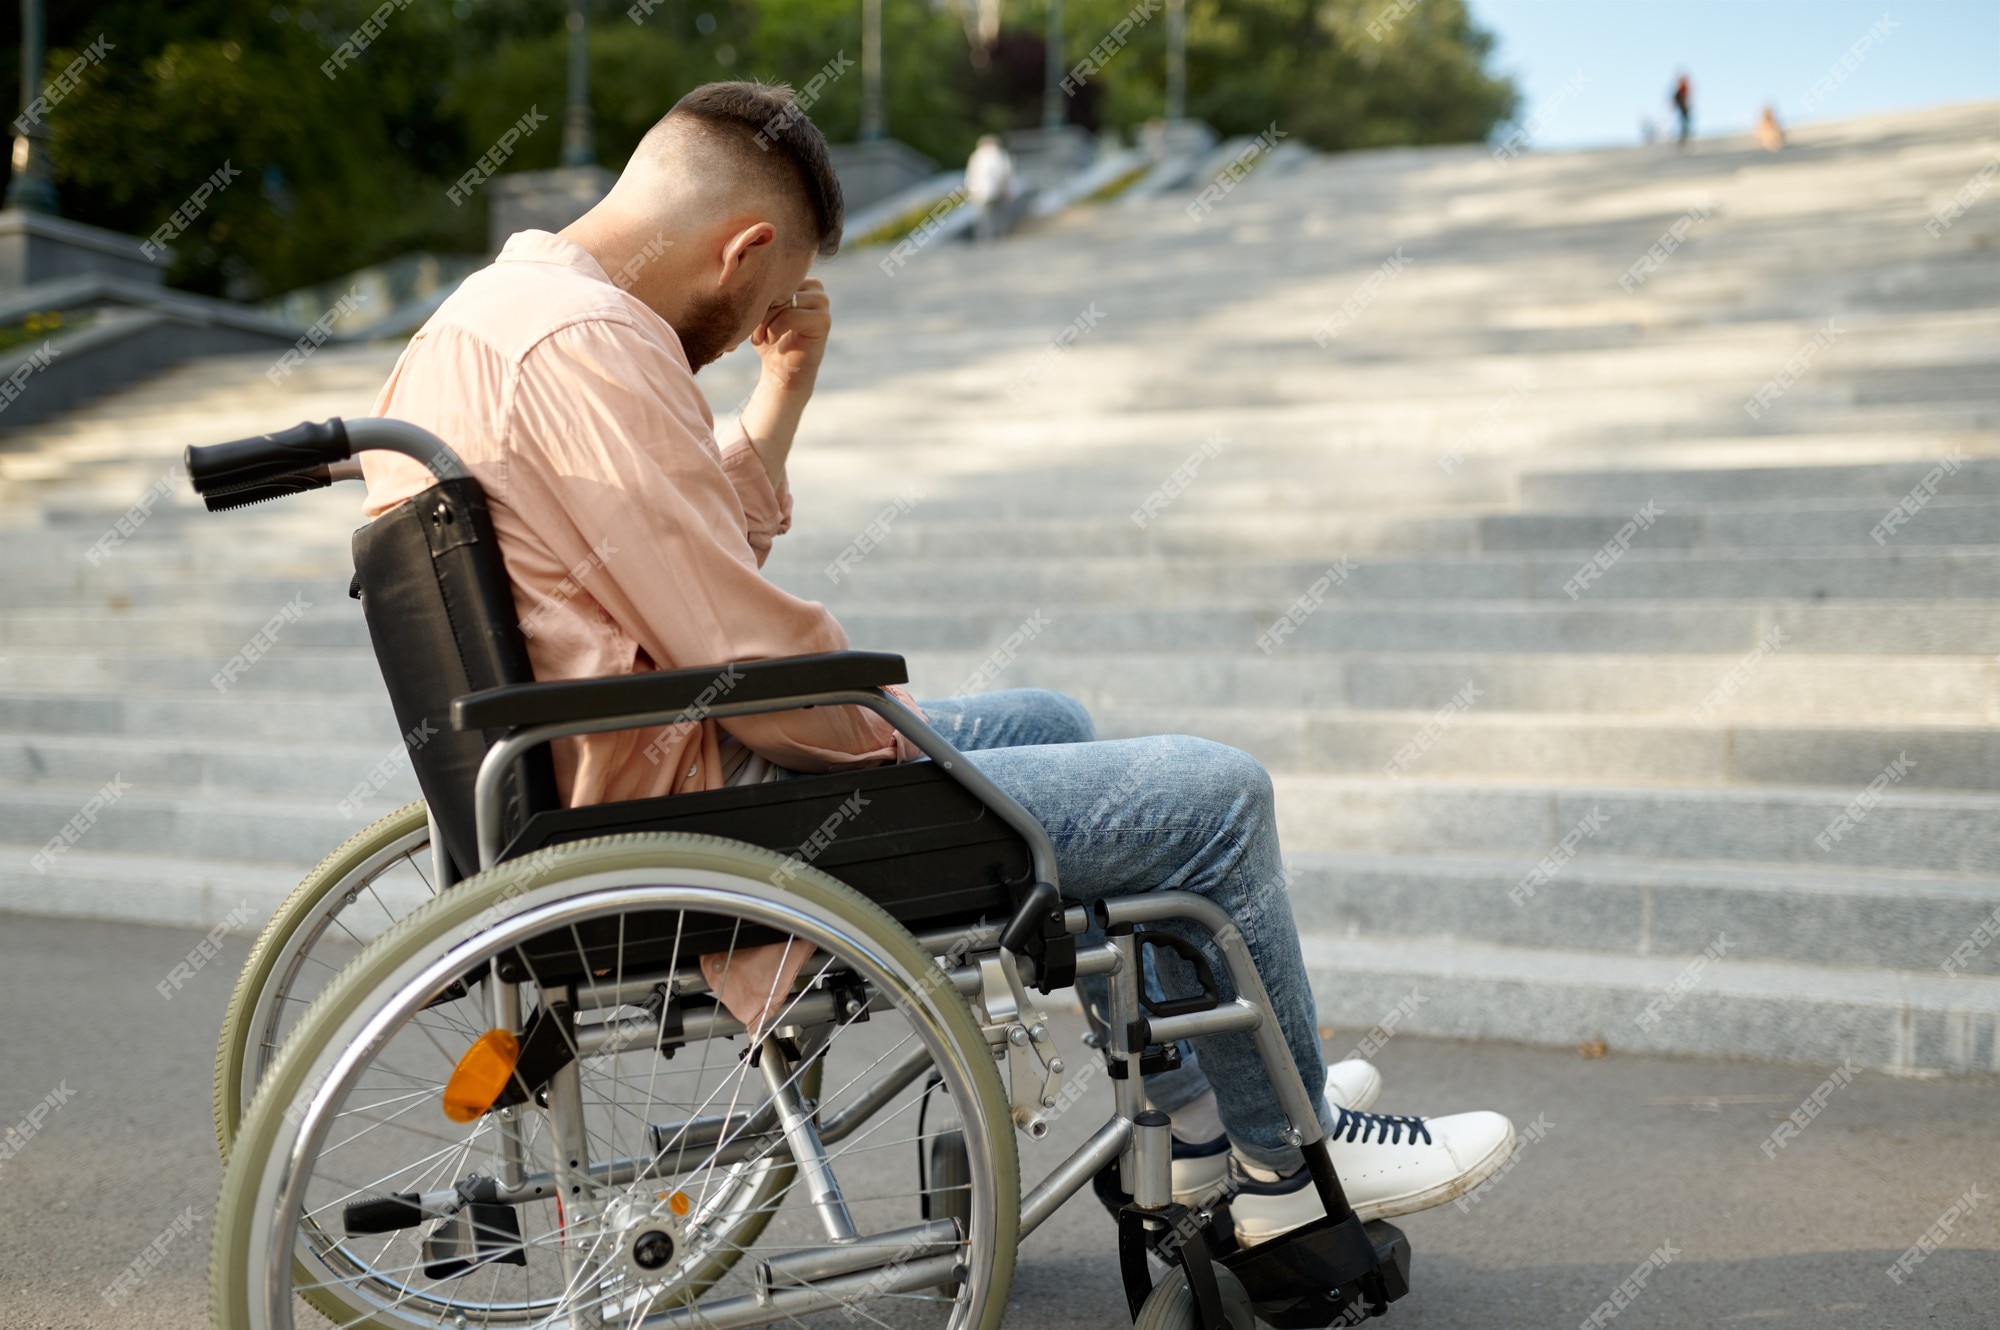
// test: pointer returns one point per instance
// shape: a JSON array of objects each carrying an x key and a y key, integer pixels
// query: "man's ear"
[{"x": 749, "y": 244}]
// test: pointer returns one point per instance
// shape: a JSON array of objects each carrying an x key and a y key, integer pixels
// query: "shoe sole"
[
  {"x": 1391, "y": 1206},
  {"x": 1210, "y": 1190}
]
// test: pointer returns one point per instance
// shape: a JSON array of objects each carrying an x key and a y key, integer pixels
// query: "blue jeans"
[{"x": 1166, "y": 813}]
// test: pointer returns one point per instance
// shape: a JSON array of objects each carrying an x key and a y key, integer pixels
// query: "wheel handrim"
[{"x": 578, "y": 900}]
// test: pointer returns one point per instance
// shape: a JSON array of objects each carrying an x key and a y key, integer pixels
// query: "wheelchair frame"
[{"x": 1335, "y": 1267}]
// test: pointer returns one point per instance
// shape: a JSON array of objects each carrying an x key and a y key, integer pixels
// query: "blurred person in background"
[
  {"x": 989, "y": 184},
  {"x": 1683, "y": 100},
  {"x": 1770, "y": 135}
]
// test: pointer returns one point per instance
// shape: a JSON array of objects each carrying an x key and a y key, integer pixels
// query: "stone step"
[
  {"x": 1905, "y": 830},
  {"x": 1775, "y": 484},
  {"x": 225, "y": 767},
  {"x": 173, "y": 824},
  {"x": 319, "y": 749},
  {"x": 1638, "y": 907},
  {"x": 190, "y": 893},
  {"x": 1638, "y": 628},
  {"x": 1485, "y": 744},
  {"x": 1872, "y": 574},
  {"x": 300, "y": 692},
  {"x": 298, "y": 623},
  {"x": 315, "y": 694},
  {"x": 1890, "y": 1019},
  {"x": 1919, "y": 831},
  {"x": 1649, "y": 575},
  {"x": 1947, "y": 520},
  {"x": 1880, "y": 574},
  {"x": 305, "y": 718},
  {"x": 147, "y": 888},
  {"x": 1860, "y": 626},
  {"x": 283, "y": 671}
]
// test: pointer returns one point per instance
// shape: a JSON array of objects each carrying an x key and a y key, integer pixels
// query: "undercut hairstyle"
[{"x": 767, "y": 136}]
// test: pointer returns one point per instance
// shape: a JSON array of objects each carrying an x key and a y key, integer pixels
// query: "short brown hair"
[{"x": 764, "y": 119}]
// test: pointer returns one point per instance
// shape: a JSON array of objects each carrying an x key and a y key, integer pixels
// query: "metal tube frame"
[
  {"x": 802, "y": 1138},
  {"x": 381, "y": 434}
]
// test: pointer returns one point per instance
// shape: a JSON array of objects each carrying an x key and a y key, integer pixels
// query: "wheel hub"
[{"x": 649, "y": 1234}]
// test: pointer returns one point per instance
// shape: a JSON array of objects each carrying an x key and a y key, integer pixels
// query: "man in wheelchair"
[{"x": 564, "y": 377}]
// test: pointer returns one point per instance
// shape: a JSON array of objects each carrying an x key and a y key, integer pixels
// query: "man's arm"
[{"x": 790, "y": 341}]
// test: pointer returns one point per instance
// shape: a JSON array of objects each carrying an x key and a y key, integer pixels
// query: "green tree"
[
  {"x": 1312, "y": 66},
  {"x": 338, "y": 172}
]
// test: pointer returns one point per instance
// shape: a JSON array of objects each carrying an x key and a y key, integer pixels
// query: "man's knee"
[
  {"x": 1228, "y": 771},
  {"x": 1064, "y": 719}
]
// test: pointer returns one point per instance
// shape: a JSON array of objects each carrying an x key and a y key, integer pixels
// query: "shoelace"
[{"x": 1380, "y": 1128}]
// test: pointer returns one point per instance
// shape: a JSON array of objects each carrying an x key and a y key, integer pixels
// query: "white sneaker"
[
  {"x": 1201, "y": 1170},
  {"x": 1388, "y": 1166}
]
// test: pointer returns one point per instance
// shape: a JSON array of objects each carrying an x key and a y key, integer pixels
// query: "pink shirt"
[{"x": 634, "y": 541}]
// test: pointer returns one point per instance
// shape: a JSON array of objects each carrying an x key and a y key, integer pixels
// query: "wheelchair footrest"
[
  {"x": 480, "y": 1234},
  {"x": 1318, "y": 1275},
  {"x": 1323, "y": 1273}
]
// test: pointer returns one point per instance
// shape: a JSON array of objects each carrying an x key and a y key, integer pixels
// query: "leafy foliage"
[{"x": 339, "y": 172}]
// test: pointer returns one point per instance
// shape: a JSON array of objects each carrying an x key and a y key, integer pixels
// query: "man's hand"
[{"x": 791, "y": 340}]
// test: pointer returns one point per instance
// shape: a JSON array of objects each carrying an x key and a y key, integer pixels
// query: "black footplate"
[
  {"x": 1324, "y": 1274},
  {"x": 1320, "y": 1275}
]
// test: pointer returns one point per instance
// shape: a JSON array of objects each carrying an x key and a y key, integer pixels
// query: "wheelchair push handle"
[
  {"x": 256, "y": 491},
  {"x": 307, "y": 457},
  {"x": 224, "y": 467}
]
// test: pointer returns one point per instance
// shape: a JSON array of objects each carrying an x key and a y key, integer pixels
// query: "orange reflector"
[
  {"x": 679, "y": 1203},
  {"x": 481, "y": 1075}
]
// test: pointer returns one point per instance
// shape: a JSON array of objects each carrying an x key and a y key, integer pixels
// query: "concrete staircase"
[{"x": 1662, "y": 757}]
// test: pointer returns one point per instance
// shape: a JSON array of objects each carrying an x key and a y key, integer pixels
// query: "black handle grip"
[
  {"x": 223, "y": 466},
  {"x": 1040, "y": 902},
  {"x": 296, "y": 482},
  {"x": 381, "y": 1214}
]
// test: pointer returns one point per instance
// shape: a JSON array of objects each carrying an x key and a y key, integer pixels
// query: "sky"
[{"x": 1589, "y": 70}]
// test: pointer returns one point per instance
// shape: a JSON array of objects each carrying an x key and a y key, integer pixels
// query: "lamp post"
[
  {"x": 1052, "y": 97},
  {"x": 33, "y": 188},
  {"x": 577, "y": 146},
  {"x": 1176, "y": 60},
  {"x": 872, "y": 120}
]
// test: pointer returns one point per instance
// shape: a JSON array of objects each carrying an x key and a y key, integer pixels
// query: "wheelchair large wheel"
[
  {"x": 636, "y": 1183},
  {"x": 382, "y": 873}
]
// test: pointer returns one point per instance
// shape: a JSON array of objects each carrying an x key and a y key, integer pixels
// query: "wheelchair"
[{"x": 521, "y": 1102}]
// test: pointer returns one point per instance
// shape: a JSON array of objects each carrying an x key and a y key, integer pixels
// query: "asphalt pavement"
[{"x": 1627, "y": 1163}]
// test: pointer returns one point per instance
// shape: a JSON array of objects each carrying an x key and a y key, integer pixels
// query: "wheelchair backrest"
[{"x": 440, "y": 612}]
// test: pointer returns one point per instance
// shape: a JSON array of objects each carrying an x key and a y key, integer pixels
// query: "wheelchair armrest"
[{"x": 562, "y": 701}]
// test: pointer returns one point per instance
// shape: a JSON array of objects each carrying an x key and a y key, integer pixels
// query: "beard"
[{"x": 709, "y": 326}]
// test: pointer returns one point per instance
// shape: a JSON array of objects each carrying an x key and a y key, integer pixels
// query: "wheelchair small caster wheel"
[
  {"x": 950, "y": 1185},
  {"x": 1171, "y": 1304}
]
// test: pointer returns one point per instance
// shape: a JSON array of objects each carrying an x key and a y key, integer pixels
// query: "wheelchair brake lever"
[{"x": 1026, "y": 1030}]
